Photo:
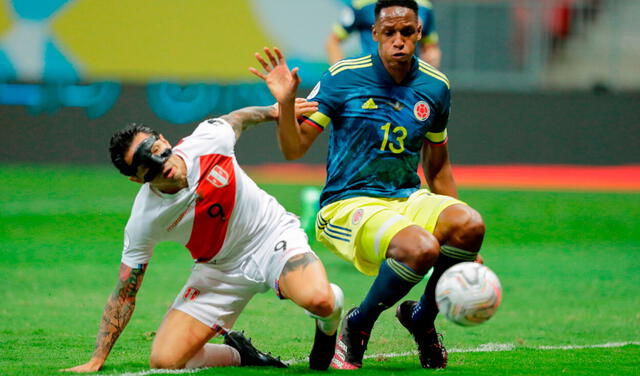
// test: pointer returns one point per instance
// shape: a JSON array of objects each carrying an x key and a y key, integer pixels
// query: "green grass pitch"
[{"x": 569, "y": 264}]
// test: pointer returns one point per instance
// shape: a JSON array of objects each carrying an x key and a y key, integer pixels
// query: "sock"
[
  {"x": 329, "y": 324},
  {"x": 393, "y": 282},
  {"x": 425, "y": 312},
  {"x": 214, "y": 355}
]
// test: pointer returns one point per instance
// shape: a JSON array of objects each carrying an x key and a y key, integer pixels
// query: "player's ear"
[{"x": 374, "y": 33}]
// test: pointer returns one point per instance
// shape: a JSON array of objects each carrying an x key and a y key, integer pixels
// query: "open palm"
[{"x": 281, "y": 81}]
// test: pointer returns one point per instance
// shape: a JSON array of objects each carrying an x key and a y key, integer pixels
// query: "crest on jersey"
[
  {"x": 357, "y": 216},
  {"x": 421, "y": 111},
  {"x": 218, "y": 176}
]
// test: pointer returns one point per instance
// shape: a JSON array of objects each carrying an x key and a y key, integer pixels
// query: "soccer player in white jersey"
[{"x": 242, "y": 240}]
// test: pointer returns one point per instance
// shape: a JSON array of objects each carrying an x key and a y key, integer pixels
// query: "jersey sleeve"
[
  {"x": 346, "y": 23},
  {"x": 327, "y": 94},
  {"x": 213, "y": 136},
  {"x": 138, "y": 239},
  {"x": 136, "y": 251}
]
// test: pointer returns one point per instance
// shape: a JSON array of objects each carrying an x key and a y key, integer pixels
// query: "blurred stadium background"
[{"x": 534, "y": 81}]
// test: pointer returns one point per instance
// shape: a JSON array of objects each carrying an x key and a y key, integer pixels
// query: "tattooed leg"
[
  {"x": 298, "y": 262},
  {"x": 304, "y": 281}
]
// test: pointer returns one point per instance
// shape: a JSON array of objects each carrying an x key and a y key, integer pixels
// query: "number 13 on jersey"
[{"x": 400, "y": 134}]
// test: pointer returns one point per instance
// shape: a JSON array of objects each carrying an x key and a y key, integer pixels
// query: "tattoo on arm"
[
  {"x": 297, "y": 262},
  {"x": 247, "y": 117},
  {"x": 119, "y": 309}
]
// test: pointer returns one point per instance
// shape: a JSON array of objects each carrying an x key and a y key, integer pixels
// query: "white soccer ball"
[{"x": 468, "y": 293}]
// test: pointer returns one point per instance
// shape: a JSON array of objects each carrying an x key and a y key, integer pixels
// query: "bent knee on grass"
[
  {"x": 178, "y": 339},
  {"x": 166, "y": 360},
  {"x": 316, "y": 297},
  {"x": 320, "y": 302},
  {"x": 461, "y": 226}
]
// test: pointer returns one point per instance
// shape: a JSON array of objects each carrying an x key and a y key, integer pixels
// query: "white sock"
[
  {"x": 329, "y": 324},
  {"x": 214, "y": 355}
]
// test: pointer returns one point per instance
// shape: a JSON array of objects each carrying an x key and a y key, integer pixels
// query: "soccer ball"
[{"x": 468, "y": 293}]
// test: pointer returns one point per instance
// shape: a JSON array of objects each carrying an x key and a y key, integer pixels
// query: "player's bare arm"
[
  {"x": 437, "y": 169},
  {"x": 115, "y": 318},
  {"x": 248, "y": 117},
  {"x": 294, "y": 139}
]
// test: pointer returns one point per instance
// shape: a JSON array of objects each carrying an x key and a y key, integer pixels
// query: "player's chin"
[{"x": 159, "y": 180}]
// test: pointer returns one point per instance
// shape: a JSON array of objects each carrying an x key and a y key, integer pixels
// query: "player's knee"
[
  {"x": 419, "y": 251},
  {"x": 425, "y": 253},
  {"x": 320, "y": 301},
  {"x": 467, "y": 229},
  {"x": 165, "y": 361}
]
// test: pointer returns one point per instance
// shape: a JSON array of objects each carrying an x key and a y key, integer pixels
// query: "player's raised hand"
[{"x": 281, "y": 81}]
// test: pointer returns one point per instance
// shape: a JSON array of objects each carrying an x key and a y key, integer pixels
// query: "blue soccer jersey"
[
  {"x": 378, "y": 126},
  {"x": 360, "y": 16}
]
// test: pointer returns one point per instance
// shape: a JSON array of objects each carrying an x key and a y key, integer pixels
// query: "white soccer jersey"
[{"x": 221, "y": 215}]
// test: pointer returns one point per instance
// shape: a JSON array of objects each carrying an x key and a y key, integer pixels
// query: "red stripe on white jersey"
[{"x": 215, "y": 201}]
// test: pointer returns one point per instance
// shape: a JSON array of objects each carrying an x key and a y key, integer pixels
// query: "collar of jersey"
[{"x": 386, "y": 78}]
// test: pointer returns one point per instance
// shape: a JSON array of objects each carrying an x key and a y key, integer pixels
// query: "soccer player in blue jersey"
[
  {"x": 359, "y": 17},
  {"x": 389, "y": 113}
]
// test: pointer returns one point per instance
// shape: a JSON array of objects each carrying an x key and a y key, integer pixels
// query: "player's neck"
[
  {"x": 173, "y": 188},
  {"x": 397, "y": 70}
]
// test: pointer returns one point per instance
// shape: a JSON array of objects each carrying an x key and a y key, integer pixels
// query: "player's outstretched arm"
[
  {"x": 247, "y": 117},
  {"x": 117, "y": 314},
  {"x": 283, "y": 83}
]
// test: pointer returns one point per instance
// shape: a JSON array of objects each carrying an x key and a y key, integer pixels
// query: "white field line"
[{"x": 487, "y": 347}]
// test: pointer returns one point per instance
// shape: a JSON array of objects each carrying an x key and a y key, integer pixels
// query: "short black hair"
[
  {"x": 381, "y": 4},
  {"x": 121, "y": 142}
]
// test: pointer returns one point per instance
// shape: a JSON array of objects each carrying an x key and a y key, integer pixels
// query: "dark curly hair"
[
  {"x": 381, "y": 4},
  {"x": 121, "y": 142}
]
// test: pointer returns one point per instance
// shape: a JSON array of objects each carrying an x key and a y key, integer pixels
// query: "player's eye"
[{"x": 408, "y": 31}]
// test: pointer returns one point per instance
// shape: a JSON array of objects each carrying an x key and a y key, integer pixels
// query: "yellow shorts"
[{"x": 359, "y": 229}]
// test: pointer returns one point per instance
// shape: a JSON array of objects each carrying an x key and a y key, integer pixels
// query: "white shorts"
[{"x": 215, "y": 294}]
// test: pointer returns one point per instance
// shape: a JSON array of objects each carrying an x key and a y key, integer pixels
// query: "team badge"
[
  {"x": 218, "y": 176},
  {"x": 421, "y": 111},
  {"x": 357, "y": 216}
]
